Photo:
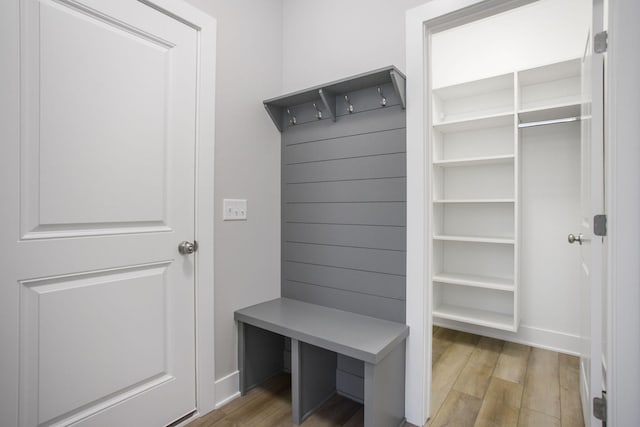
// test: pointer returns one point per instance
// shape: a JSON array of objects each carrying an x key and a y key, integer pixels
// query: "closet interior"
[
  {"x": 486, "y": 176},
  {"x": 506, "y": 113}
]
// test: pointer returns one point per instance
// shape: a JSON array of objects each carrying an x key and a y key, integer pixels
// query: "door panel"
[
  {"x": 102, "y": 195},
  {"x": 118, "y": 178},
  {"x": 592, "y": 203},
  {"x": 113, "y": 140},
  {"x": 585, "y": 229},
  {"x": 133, "y": 302}
]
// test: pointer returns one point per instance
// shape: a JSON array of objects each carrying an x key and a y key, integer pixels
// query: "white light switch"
[{"x": 234, "y": 210}]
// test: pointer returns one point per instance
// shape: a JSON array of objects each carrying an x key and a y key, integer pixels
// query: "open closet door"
[{"x": 592, "y": 367}]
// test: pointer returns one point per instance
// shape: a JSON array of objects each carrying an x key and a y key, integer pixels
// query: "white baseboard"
[
  {"x": 227, "y": 388},
  {"x": 529, "y": 335}
]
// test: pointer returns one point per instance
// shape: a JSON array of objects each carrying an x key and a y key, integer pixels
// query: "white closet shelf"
[
  {"x": 475, "y": 88},
  {"x": 551, "y": 112},
  {"x": 477, "y": 122},
  {"x": 486, "y": 282},
  {"x": 475, "y": 316},
  {"x": 474, "y": 201},
  {"x": 472, "y": 161},
  {"x": 475, "y": 239},
  {"x": 550, "y": 72}
]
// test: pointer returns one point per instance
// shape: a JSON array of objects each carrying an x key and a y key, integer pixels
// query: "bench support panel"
[
  {"x": 384, "y": 390},
  {"x": 313, "y": 379},
  {"x": 259, "y": 355}
]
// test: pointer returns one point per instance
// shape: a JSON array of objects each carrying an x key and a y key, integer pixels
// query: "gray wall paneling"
[
  {"x": 344, "y": 213},
  {"x": 365, "y": 259}
]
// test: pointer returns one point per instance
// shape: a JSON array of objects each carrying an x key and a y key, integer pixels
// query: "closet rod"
[{"x": 548, "y": 122}]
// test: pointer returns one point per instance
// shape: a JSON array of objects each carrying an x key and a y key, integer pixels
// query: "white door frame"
[
  {"x": 622, "y": 175},
  {"x": 205, "y": 26},
  {"x": 622, "y": 109},
  {"x": 421, "y": 22}
]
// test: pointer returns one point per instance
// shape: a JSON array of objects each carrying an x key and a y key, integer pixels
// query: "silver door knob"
[
  {"x": 572, "y": 239},
  {"x": 186, "y": 248}
]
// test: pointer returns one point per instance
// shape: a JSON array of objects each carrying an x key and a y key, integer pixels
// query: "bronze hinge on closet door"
[{"x": 600, "y": 408}]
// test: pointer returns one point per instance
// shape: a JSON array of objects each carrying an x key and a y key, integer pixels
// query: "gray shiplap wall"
[{"x": 344, "y": 214}]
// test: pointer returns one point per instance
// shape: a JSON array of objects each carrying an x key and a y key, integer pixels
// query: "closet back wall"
[{"x": 539, "y": 33}]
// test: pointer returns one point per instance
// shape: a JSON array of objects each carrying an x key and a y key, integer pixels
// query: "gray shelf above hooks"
[{"x": 322, "y": 102}]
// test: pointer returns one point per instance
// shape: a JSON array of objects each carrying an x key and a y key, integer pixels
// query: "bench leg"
[
  {"x": 384, "y": 390},
  {"x": 313, "y": 379},
  {"x": 259, "y": 355}
]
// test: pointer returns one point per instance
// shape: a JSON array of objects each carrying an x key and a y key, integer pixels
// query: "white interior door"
[
  {"x": 592, "y": 203},
  {"x": 97, "y": 192}
]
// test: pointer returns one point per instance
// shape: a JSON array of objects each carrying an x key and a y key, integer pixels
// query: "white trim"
[
  {"x": 418, "y": 360},
  {"x": 205, "y": 25},
  {"x": 622, "y": 109},
  {"x": 227, "y": 388},
  {"x": 419, "y": 23},
  {"x": 547, "y": 339}
]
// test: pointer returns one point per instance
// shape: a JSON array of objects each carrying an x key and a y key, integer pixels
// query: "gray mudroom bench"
[
  {"x": 340, "y": 326},
  {"x": 317, "y": 335}
]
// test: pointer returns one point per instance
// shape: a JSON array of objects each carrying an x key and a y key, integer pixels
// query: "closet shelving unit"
[{"x": 475, "y": 172}]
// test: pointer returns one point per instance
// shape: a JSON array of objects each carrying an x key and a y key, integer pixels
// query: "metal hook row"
[
  {"x": 350, "y": 109},
  {"x": 383, "y": 101}
]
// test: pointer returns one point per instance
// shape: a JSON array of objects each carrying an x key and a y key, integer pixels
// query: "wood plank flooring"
[
  {"x": 480, "y": 381},
  {"x": 476, "y": 381}
]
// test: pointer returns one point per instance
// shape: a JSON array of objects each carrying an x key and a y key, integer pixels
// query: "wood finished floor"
[
  {"x": 480, "y": 381},
  {"x": 477, "y": 381}
]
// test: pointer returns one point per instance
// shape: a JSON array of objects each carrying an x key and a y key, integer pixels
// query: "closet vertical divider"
[{"x": 517, "y": 163}]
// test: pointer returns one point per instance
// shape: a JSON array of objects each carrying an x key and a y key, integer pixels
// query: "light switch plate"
[{"x": 234, "y": 210}]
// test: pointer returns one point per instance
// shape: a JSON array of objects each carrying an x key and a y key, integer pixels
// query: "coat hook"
[
  {"x": 318, "y": 112},
  {"x": 383, "y": 100},
  {"x": 292, "y": 118},
  {"x": 349, "y": 106}
]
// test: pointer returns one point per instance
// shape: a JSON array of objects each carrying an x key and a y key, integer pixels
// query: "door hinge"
[
  {"x": 600, "y": 407},
  {"x": 600, "y": 225},
  {"x": 600, "y": 42}
]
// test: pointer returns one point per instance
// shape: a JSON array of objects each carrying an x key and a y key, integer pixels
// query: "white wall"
[
  {"x": 540, "y": 33},
  {"x": 247, "y": 255},
  {"x": 330, "y": 39}
]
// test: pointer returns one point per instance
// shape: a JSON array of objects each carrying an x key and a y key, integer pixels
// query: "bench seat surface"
[{"x": 362, "y": 337}]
